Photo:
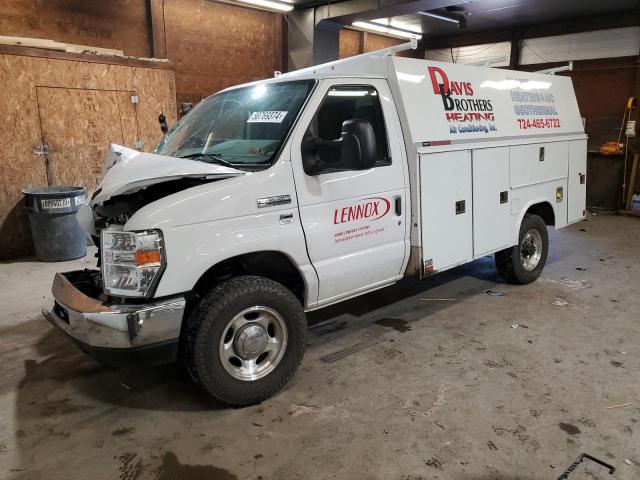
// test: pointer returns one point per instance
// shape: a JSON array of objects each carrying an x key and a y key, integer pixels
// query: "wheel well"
[
  {"x": 545, "y": 211},
  {"x": 272, "y": 265}
]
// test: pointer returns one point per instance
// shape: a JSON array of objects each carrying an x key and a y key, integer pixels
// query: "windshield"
[{"x": 243, "y": 128}]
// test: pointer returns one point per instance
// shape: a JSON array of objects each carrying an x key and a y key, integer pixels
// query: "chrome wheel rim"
[
  {"x": 531, "y": 250},
  {"x": 253, "y": 343}
]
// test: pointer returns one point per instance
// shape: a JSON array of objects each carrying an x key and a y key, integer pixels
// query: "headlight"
[{"x": 132, "y": 262}]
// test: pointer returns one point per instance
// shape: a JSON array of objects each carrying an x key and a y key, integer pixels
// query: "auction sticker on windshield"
[{"x": 267, "y": 117}]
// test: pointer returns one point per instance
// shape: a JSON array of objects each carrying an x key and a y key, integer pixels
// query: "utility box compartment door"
[
  {"x": 491, "y": 211},
  {"x": 577, "y": 184},
  {"x": 538, "y": 163},
  {"x": 446, "y": 208}
]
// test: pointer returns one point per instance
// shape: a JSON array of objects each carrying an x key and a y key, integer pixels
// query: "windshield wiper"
[{"x": 211, "y": 157}]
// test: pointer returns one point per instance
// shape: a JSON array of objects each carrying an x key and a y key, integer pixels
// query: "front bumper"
[{"x": 104, "y": 329}]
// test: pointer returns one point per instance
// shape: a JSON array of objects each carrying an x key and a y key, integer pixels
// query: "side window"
[{"x": 324, "y": 147}]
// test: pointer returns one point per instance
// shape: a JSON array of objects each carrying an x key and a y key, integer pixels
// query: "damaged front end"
[
  {"x": 132, "y": 180},
  {"x": 109, "y": 312}
]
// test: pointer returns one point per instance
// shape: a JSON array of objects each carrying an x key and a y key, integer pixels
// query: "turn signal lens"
[{"x": 148, "y": 257}]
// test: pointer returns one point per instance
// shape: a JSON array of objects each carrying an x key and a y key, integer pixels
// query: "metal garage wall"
[
  {"x": 76, "y": 108},
  {"x": 616, "y": 42},
  {"x": 473, "y": 53}
]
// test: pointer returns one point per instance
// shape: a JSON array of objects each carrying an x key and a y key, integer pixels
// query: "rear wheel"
[
  {"x": 245, "y": 340},
  {"x": 523, "y": 263}
]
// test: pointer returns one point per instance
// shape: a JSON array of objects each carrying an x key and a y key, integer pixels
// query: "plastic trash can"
[{"x": 57, "y": 236}]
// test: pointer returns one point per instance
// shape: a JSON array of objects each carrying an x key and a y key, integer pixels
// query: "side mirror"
[{"x": 356, "y": 149}]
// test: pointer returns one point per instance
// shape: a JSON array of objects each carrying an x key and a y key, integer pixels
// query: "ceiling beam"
[{"x": 354, "y": 10}]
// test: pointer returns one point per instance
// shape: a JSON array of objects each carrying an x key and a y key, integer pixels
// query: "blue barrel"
[{"x": 57, "y": 236}]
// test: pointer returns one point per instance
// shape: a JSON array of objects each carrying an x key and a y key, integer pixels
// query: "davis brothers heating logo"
[{"x": 464, "y": 112}]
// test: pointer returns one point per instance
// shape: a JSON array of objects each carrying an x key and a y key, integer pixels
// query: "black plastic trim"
[{"x": 147, "y": 355}]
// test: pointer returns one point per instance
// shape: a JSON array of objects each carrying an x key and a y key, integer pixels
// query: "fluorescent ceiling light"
[
  {"x": 396, "y": 32},
  {"x": 272, "y": 4},
  {"x": 458, "y": 20},
  {"x": 440, "y": 17}
]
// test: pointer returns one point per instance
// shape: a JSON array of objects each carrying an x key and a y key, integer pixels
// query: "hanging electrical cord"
[
  {"x": 526, "y": 44},
  {"x": 471, "y": 53}
]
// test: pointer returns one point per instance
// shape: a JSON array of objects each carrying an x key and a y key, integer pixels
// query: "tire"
[
  {"x": 225, "y": 333},
  {"x": 512, "y": 263}
]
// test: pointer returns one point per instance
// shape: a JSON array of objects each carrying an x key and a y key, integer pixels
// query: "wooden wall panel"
[
  {"x": 77, "y": 159},
  {"x": 81, "y": 107},
  {"x": 156, "y": 89},
  {"x": 349, "y": 43},
  {"x": 376, "y": 42},
  {"x": 128, "y": 123},
  {"x": 91, "y": 76},
  {"x": 215, "y": 45},
  {"x": 19, "y": 166},
  {"x": 118, "y": 24}
]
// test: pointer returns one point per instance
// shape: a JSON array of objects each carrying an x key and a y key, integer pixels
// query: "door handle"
[{"x": 398, "y": 206}]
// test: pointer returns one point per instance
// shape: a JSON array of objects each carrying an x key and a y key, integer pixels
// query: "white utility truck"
[{"x": 290, "y": 194}]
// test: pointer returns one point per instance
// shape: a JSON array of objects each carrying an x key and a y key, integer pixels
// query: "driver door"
[{"x": 354, "y": 220}]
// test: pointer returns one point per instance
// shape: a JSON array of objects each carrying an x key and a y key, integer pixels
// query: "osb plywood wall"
[
  {"x": 212, "y": 45},
  {"x": 215, "y": 45},
  {"x": 77, "y": 108},
  {"x": 349, "y": 43},
  {"x": 376, "y": 42},
  {"x": 353, "y": 42},
  {"x": 118, "y": 24}
]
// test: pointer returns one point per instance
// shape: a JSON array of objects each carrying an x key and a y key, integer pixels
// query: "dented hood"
[{"x": 128, "y": 171}]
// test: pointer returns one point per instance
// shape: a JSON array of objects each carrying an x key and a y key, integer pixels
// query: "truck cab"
[{"x": 283, "y": 196}]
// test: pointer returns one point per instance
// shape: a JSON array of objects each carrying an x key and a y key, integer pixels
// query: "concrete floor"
[{"x": 395, "y": 385}]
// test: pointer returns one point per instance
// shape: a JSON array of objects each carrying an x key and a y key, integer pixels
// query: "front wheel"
[
  {"x": 523, "y": 263},
  {"x": 245, "y": 340}
]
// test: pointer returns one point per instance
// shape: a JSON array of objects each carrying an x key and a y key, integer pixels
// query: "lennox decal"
[
  {"x": 372, "y": 208},
  {"x": 464, "y": 112}
]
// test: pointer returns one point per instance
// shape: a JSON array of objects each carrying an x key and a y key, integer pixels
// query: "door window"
[{"x": 342, "y": 103}]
